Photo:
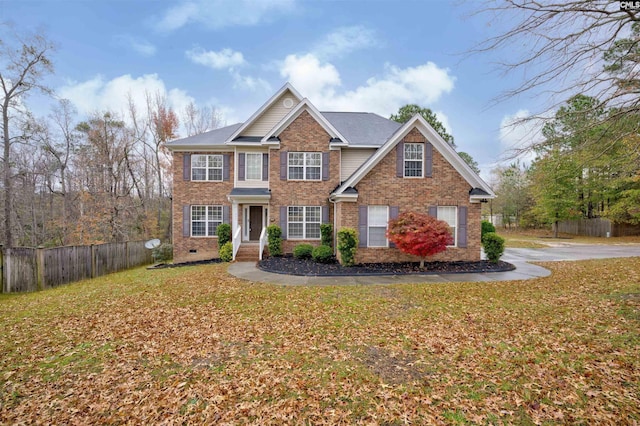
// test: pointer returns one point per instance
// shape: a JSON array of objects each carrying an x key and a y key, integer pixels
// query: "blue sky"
[{"x": 343, "y": 55}]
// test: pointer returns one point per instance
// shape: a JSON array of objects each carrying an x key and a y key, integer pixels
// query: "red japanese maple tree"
[{"x": 419, "y": 234}]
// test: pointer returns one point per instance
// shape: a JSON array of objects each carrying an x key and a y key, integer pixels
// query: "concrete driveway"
[{"x": 520, "y": 258}]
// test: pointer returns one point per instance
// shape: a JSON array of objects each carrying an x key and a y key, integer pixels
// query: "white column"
[{"x": 234, "y": 217}]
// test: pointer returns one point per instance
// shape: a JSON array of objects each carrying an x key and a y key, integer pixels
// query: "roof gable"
[
  {"x": 267, "y": 113},
  {"x": 444, "y": 148},
  {"x": 304, "y": 105}
]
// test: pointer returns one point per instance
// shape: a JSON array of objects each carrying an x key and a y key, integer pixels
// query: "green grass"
[{"x": 195, "y": 345}]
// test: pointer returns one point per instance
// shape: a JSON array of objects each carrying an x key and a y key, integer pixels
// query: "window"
[
  {"x": 377, "y": 224},
  {"x": 304, "y": 222},
  {"x": 254, "y": 166},
  {"x": 206, "y": 167},
  {"x": 449, "y": 215},
  {"x": 305, "y": 165},
  {"x": 413, "y": 159},
  {"x": 205, "y": 220}
]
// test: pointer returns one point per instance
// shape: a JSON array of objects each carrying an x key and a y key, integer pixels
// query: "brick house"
[{"x": 292, "y": 165}]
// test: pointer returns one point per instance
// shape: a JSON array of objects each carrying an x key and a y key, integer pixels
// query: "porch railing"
[
  {"x": 237, "y": 240},
  {"x": 263, "y": 241}
]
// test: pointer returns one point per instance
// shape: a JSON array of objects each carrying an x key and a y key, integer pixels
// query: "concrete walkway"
[{"x": 518, "y": 257}]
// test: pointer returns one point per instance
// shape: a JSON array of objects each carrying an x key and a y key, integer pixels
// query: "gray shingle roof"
[
  {"x": 214, "y": 137},
  {"x": 359, "y": 128},
  {"x": 362, "y": 128}
]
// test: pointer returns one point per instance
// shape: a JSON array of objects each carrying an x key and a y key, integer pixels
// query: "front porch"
[{"x": 249, "y": 218}]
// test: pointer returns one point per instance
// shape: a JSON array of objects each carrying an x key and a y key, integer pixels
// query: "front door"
[{"x": 255, "y": 222}]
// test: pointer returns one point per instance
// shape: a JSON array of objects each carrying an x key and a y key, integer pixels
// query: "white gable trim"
[
  {"x": 444, "y": 148},
  {"x": 304, "y": 105},
  {"x": 263, "y": 108}
]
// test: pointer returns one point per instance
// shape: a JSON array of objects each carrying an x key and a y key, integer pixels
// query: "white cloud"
[
  {"x": 99, "y": 95},
  {"x": 442, "y": 117},
  {"x": 343, "y": 41},
  {"x": 224, "y": 59},
  {"x": 422, "y": 85},
  {"x": 138, "y": 45},
  {"x": 217, "y": 14},
  {"x": 253, "y": 84},
  {"x": 518, "y": 132}
]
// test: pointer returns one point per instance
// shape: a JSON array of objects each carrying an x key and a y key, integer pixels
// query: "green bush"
[
  {"x": 274, "y": 238},
  {"x": 303, "y": 251},
  {"x": 347, "y": 245},
  {"x": 224, "y": 234},
  {"x": 326, "y": 234},
  {"x": 486, "y": 227},
  {"x": 322, "y": 254},
  {"x": 226, "y": 252},
  {"x": 493, "y": 246},
  {"x": 162, "y": 253}
]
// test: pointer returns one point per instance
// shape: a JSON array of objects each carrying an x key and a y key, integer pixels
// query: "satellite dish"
[{"x": 151, "y": 244}]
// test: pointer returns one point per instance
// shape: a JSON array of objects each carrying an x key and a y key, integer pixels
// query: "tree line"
[{"x": 66, "y": 180}]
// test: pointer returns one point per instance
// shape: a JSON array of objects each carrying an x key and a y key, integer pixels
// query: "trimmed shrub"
[
  {"x": 493, "y": 246},
  {"x": 162, "y": 253},
  {"x": 347, "y": 245},
  {"x": 303, "y": 251},
  {"x": 224, "y": 234},
  {"x": 322, "y": 254},
  {"x": 274, "y": 238},
  {"x": 226, "y": 252},
  {"x": 486, "y": 227},
  {"x": 326, "y": 234}
]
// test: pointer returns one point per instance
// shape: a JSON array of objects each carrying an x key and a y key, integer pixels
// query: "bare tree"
[
  {"x": 199, "y": 120},
  {"x": 564, "y": 48},
  {"x": 24, "y": 61}
]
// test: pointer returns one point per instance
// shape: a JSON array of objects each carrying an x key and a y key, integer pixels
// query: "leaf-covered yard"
[{"x": 194, "y": 345}]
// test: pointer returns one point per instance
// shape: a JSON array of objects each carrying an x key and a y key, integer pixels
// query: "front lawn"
[{"x": 194, "y": 345}]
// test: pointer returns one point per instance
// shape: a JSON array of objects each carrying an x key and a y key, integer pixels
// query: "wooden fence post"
[
  {"x": 126, "y": 255},
  {"x": 40, "y": 268},
  {"x": 93, "y": 261},
  {"x": 1, "y": 268}
]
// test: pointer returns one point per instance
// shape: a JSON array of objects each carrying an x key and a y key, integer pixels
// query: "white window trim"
[
  {"x": 455, "y": 217},
  {"x": 369, "y": 227},
  {"x": 246, "y": 166},
  {"x": 207, "y": 168},
  {"x": 206, "y": 220},
  {"x": 404, "y": 161},
  {"x": 304, "y": 166},
  {"x": 304, "y": 223}
]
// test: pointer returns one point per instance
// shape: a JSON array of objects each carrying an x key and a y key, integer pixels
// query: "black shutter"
[
  {"x": 428, "y": 160},
  {"x": 325, "y": 214},
  {"x": 186, "y": 166},
  {"x": 225, "y": 214},
  {"x": 362, "y": 225},
  {"x": 265, "y": 167},
  {"x": 225, "y": 167},
  {"x": 325, "y": 166},
  {"x": 433, "y": 211},
  {"x": 284, "y": 158},
  {"x": 394, "y": 211},
  {"x": 283, "y": 221},
  {"x": 400, "y": 159},
  {"x": 462, "y": 226},
  {"x": 241, "y": 166},
  {"x": 186, "y": 221}
]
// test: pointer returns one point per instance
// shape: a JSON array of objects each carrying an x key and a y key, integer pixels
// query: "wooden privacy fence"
[
  {"x": 30, "y": 269},
  {"x": 597, "y": 227}
]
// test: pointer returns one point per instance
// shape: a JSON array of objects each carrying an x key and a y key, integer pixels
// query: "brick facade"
[
  {"x": 446, "y": 187},
  {"x": 201, "y": 193},
  {"x": 303, "y": 134},
  {"x": 380, "y": 186}
]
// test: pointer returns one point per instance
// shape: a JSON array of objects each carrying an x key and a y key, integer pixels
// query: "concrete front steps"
[{"x": 248, "y": 252}]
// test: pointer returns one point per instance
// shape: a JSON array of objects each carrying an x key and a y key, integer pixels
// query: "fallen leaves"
[{"x": 194, "y": 345}]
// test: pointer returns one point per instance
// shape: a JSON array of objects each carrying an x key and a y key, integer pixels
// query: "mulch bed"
[
  {"x": 292, "y": 266},
  {"x": 180, "y": 265}
]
